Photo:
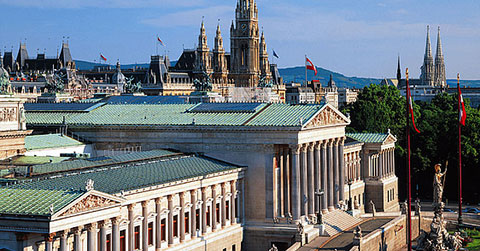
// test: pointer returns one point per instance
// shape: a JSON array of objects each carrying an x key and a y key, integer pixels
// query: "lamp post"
[
  {"x": 350, "y": 182},
  {"x": 319, "y": 193}
]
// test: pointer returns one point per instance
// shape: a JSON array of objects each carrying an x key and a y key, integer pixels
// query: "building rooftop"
[
  {"x": 368, "y": 137},
  {"x": 46, "y": 141}
]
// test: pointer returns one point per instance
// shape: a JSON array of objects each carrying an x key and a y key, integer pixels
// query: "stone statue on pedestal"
[{"x": 438, "y": 183}]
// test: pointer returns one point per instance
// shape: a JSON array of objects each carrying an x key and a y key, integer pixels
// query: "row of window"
[{"x": 390, "y": 194}]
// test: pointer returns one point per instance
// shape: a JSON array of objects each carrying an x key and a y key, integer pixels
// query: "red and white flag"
[
  {"x": 103, "y": 58},
  {"x": 410, "y": 104},
  {"x": 462, "y": 114},
  {"x": 310, "y": 65},
  {"x": 160, "y": 41}
]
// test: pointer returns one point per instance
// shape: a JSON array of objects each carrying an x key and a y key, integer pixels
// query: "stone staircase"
[{"x": 338, "y": 221}]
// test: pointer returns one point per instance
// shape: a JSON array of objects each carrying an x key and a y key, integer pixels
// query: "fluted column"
[
  {"x": 281, "y": 185},
  {"x": 380, "y": 165},
  {"x": 331, "y": 188},
  {"x": 341, "y": 164},
  {"x": 223, "y": 205},
  {"x": 311, "y": 179},
  {"x": 170, "y": 220},
  {"x": 317, "y": 174},
  {"x": 287, "y": 181},
  {"x": 145, "y": 225},
  {"x": 115, "y": 234},
  {"x": 77, "y": 242},
  {"x": 193, "y": 213},
  {"x": 233, "y": 189},
  {"x": 49, "y": 242},
  {"x": 214, "y": 208},
  {"x": 304, "y": 184},
  {"x": 103, "y": 236},
  {"x": 91, "y": 236},
  {"x": 181, "y": 216},
  {"x": 336, "y": 174},
  {"x": 63, "y": 240},
  {"x": 324, "y": 171},
  {"x": 393, "y": 161},
  {"x": 204, "y": 210},
  {"x": 158, "y": 224},
  {"x": 296, "y": 196},
  {"x": 130, "y": 226}
]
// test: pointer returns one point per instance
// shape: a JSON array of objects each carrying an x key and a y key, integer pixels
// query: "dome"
[{"x": 118, "y": 78}]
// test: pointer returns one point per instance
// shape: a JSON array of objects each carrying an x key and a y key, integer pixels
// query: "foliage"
[
  {"x": 131, "y": 87},
  {"x": 380, "y": 108},
  {"x": 203, "y": 85},
  {"x": 56, "y": 83},
  {"x": 474, "y": 236}
]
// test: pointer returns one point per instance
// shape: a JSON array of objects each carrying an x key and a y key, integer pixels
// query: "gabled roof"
[
  {"x": 35, "y": 142},
  {"x": 370, "y": 137}
]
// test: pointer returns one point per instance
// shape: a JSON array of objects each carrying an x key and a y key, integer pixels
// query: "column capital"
[
  {"x": 78, "y": 230},
  {"x": 170, "y": 197},
  {"x": 330, "y": 142},
  {"x": 224, "y": 184},
  {"x": 103, "y": 223},
  {"x": 311, "y": 146},
  {"x": 158, "y": 200},
  {"x": 130, "y": 206},
  {"x": 91, "y": 227},
  {"x": 64, "y": 234},
  {"x": 233, "y": 183},
  {"x": 115, "y": 220},
  {"x": 145, "y": 203},
  {"x": 318, "y": 145},
  {"x": 295, "y": 148},
  {"x": 49, "y": 237}
]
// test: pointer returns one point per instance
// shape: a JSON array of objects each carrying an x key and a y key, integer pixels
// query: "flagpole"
[
  {"x": 409, "y": 189},
  {"x": 460, "y": 219},
  {"x": 305, "y": 70}
]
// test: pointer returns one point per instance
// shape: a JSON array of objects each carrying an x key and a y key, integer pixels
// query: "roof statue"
[
  {"x": 264, "y": 82},
  {"x": 55, "y": 84},
  {"x": 89, "y": 185},
  {"x": 204, "y": 85},
  {"x": 131, "y": 87}
]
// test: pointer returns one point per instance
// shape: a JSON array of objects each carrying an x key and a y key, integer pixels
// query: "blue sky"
[{"x": 353, "y": 37}]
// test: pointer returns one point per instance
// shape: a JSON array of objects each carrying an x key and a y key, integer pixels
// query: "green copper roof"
[
  {"x": 34, "y": 142},
  {"x": 132, "y": 176},
  {"x": 25, "y": 201},
  {"x": 368, "y": 137},
  {"x": 36, "y": 160},
  {"x": 213, "y": 114}
]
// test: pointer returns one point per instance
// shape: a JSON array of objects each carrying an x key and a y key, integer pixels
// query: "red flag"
[
  {"x": 410, "y": 104},
  {"x": 160, "y": 41},
  {"x": 462, "y": 114},
  {"x": 103, "y": 58},
  {"x": 310, "y": 65}
]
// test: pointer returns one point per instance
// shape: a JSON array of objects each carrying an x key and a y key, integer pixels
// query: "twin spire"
[{"x": 433, "y": 72}]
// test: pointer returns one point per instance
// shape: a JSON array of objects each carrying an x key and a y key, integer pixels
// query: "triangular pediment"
[
  {"x": 390, "y": 139},
  {"x": 327, "y": 116},
  {"x": 93, "y": 200}
]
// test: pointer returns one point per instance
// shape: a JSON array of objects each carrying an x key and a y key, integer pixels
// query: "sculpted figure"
[{"x": 438, "y": 183}]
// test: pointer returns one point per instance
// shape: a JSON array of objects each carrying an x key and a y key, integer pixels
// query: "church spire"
[
  {"x": 440, "y": 78},
  {"x": 428, "y": 68},
  {"x": 399, "y": 70},
  {"x": 202, "y": 38},
  {"x": 219, "y": 39}
]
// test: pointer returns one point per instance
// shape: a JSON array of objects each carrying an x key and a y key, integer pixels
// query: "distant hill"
[
  {"x": 85, "y": 65},
  {"x": 297, "y": 74}
]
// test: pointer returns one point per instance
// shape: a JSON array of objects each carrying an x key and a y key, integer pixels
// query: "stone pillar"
[
  {"x": 130, "y": 226},
  {"x": 287, "y": 181},
  {"x": 324, "y": 171},
  {"x": 296, "y": 195},
  {"x": 77, "y": 242},
  {"x": 223, "y": 206},
  {"x": 214, "y": 208},
  {"x": 304, "y": 184},
  {"x": 193, "y": 213},
  {"x": 311, "y": 180},
  {"x": 158, "y": 224},
  {"x": 63, "y": 240},
  {"x": 103, "y": 236},
  {"x": 393, "y": 161},
  {"x": 281, "y": 185},
  {"x": 317, "y": 174},
  {"x": 336, "y": 174},
  {"x": 49, "y": 242},
  {"x": 380, "y": 165},
  {"x": 331, "y": 187},
  {"x": 204, "y": 210},
  {"x": 341, "y": 158},
  {"x": 233, "y": 190},
  {"x": 170, "y": 220},
  {"x": 115, "y": 234},
  {"x": 145, "y": 225},
  {"x": 91, "y": 236}
]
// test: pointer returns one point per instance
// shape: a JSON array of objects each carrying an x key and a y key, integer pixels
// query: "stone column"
[
  {"x": 324, "y": 171},
  {"x": 77, "y": 242},
  {"x": 304, "y": 184},
  {"x": 214, "y": 208},
  {"x": 145, "y": 225},
  {"x": 103, "y": 236},
  {"x": 393, "y": 161},
  {"x": 296, "y": 195},
  {"x": 317, "y": 174},
  {"x": 63, "y": 240},
  {"x": 341, "y": 158},
  {"x": 130, "y": 226},
  {"x": 193, "y": 213},
  {"x": 380, "y": 165},
  {"x": 181, "y": 217},
  {"x": 233, "y": 190},
  {"x": 281, "y": 183},
  {"x": 49, "y": 242},
  {"x": 158, "y": 224},
  {"x": 336, "y": 174},
  {"x": 170, "y": 220},
  {"x": 115, "y": 234},
  {"x": 331, "y": 186},
  {"x": 91, "y": 236},
  {"x": 204, "y": 210},
  {"x": 287, "y": 181},
  {"x": 223, "y": 212},
  {"x": 311, "y": 179}
]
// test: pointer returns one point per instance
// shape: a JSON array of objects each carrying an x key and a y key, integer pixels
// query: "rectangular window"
[
  {"x": 234, "y": 247},
  {"x": 136, "y": 234},
  {"x": 197, "y": 220},
  {"x": 175, "y": 226},
  {"x": 187, "y": 226},
  {"x": 227, "y": 210},
  {"x": 150, "y": 233},
  {"x": 163, "y": 229},
  {"x": 122, "y": 240},
  {"x": 208, "y": 216},
  {"x": 217, "y": 212},
  {"x": 237, "y": 206},
  {"x": 109, "y": 242}
]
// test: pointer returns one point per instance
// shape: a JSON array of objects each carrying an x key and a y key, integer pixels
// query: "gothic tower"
[
  {"x": 220, "y": 68},
  {"x": 264, "y": 64},
  {"x": 399, "y": 71},
  {"x": 245, "y": 47},
  {"x": 203, "y": 59},
  {"x": 440, "y": 78},
  {"x": 428, "y": 68}
]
